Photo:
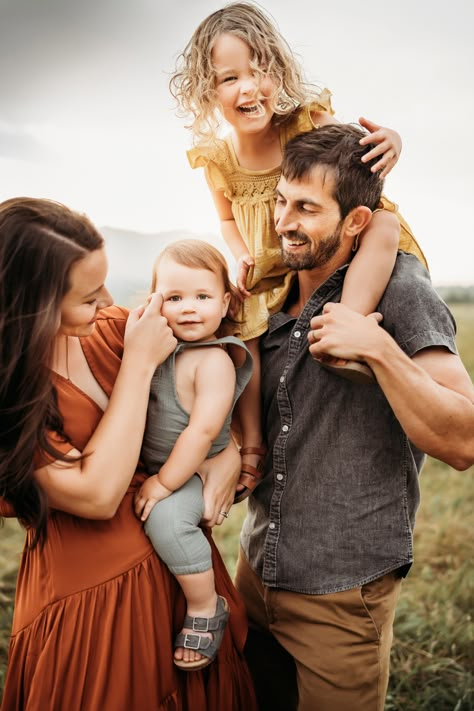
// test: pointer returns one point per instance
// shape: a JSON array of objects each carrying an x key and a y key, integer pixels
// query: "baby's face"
[{"x": 194, "y": 300}]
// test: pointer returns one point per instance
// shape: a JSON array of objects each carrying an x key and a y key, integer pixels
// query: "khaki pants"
[{"x": 319, "y": 652}]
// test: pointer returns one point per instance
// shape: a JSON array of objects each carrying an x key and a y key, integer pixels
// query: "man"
[{"x": 328, "y": 535}]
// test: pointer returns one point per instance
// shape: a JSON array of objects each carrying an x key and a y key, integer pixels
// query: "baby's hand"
[
  {"x": 389, "y": 146},
  {"x": 244, "y": 263},
  {"x": 151, "y": 491}
]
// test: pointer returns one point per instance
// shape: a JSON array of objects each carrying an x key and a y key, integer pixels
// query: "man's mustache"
[{"x": 294, "y": 235}]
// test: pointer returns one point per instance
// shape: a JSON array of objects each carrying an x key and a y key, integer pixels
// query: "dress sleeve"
[
  {"x": 322, "y": 103},
  {"x": 214, "y": 165},
  {"x": 302, "y": 120}
]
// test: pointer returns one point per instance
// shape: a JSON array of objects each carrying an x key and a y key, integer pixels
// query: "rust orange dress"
[{"x": 96, "y": 611}]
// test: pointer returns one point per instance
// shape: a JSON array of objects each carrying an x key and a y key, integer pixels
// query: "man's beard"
[{"x": 320, "y": 255}]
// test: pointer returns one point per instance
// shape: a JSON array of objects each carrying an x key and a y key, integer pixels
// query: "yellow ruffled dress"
[{"x": 252, "y": 194}]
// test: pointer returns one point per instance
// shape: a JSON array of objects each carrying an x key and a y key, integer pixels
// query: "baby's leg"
[
  {"x": 249, "y": 415},
  {"x": 173, "y": 529}
]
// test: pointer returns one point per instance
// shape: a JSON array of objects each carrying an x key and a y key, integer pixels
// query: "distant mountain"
[{"x": 131, "y": 257}]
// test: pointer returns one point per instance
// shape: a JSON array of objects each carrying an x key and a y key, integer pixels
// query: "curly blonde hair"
[{"x": 193, "y": 84}]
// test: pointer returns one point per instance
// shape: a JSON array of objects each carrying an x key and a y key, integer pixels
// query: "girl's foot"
[
  {"x": 198, "y": 642},
  {"x": 350, "y": 370}
]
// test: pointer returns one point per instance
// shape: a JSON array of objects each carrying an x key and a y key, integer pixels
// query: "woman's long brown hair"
[{"x": 40, "y": 240}]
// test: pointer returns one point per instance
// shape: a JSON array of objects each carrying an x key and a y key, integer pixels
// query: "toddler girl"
[{"x": 192, "y": 395}]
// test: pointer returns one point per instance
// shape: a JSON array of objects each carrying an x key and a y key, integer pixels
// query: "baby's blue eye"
[
  {"x": 203, "y": 296},
  {"x": 174, "y": 298}
]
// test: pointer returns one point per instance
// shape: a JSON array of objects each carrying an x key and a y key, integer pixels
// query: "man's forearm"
[{"x": 438, "y": 419}]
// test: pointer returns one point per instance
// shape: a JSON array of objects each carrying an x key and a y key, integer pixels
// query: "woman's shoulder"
[{"x": 109, "y": 329}]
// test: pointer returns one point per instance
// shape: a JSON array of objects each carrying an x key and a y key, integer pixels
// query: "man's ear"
[{"x": 356, "y": 220}]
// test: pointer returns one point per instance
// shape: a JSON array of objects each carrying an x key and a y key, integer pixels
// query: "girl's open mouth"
[{"x": 253, "y": 110}]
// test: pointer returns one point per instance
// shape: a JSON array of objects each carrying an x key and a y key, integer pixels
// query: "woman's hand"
[
  {"x": 148, "y": 338},
  {"x": 220, "y": 475},
  {"x": 388, "y": 146}
]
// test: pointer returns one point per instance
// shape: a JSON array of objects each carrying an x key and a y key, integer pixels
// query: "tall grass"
[{"x": 433, "y": 652}]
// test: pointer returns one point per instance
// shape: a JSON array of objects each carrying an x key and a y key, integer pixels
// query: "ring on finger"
[{"x": 224, "y": 513}]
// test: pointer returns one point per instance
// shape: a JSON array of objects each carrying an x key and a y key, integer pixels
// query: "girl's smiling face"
[{"x": 245, "y": 96}]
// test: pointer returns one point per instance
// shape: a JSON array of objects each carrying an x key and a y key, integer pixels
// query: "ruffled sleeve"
[
  {"x": 322, "y": 103},
  {"x": 302, "y": 120},
  {"x": 216, "y": 164}
]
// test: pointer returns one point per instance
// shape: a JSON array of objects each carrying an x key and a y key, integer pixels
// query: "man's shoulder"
[
  {"x": 413, "y": 312},
  {"x": 408, "y": 273}
]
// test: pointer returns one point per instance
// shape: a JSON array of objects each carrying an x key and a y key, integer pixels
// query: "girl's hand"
[
  {"x": 389, "y": 146},
  {"x": 151, "y": 491},
  {"x": 244, "y": 262},
  {"x": 220, "y": 475},
  {"x": 148, "y": 338}
]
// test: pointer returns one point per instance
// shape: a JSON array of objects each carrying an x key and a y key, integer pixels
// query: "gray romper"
[{"x": 173, "y": 524}]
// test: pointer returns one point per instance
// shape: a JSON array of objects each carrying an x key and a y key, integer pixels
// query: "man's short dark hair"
[{"x": 336, "y": 148}]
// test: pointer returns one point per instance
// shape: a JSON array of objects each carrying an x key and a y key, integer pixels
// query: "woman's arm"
[
  {"x": 220, "y": 474},
  {"x": 94, "y": 486},
  {"x": 214, "y": 391}
]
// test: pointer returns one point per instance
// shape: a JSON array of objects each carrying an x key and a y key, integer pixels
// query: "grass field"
[{"x": 433, "y": 652}]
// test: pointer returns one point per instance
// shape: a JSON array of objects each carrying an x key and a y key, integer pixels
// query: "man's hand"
[
  {"x": 151, "y": 491},
  {"x": 343, "y": 333}
]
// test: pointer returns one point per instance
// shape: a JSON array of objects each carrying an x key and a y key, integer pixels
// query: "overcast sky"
[{"x": 86, "y": 117}]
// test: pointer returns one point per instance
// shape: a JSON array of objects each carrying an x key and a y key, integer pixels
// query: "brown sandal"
[
  {"x": 250, "y": 476},
  {"x": 350, "y": 370}
]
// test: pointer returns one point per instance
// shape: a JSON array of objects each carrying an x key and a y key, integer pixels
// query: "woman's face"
[{"x": 86, "y": 295}]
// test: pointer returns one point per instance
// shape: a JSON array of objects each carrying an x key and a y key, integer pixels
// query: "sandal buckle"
[
  {"x": 191, "y": 641},
  {"x": 200, "y": 624}
]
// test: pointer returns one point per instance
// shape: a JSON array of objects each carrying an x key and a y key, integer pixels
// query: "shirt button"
[
  {"x": 285, "y": 428},
  {"x": 282, "y": 378},
  {"x": 272, "y": 526},
  {"x": 279, "y": 477},
  {"x": 297, "y": 334}
]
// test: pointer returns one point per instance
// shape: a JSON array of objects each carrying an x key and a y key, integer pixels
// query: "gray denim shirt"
[{"x": 336, "y": 507}]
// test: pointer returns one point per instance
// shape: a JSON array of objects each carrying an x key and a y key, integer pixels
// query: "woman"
[{"x": 96, "y": 611}]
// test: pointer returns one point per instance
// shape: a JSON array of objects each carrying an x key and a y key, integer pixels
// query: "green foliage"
[
  {"x": 433, "y": 650},
  {"x": 456, "y": 294}
]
